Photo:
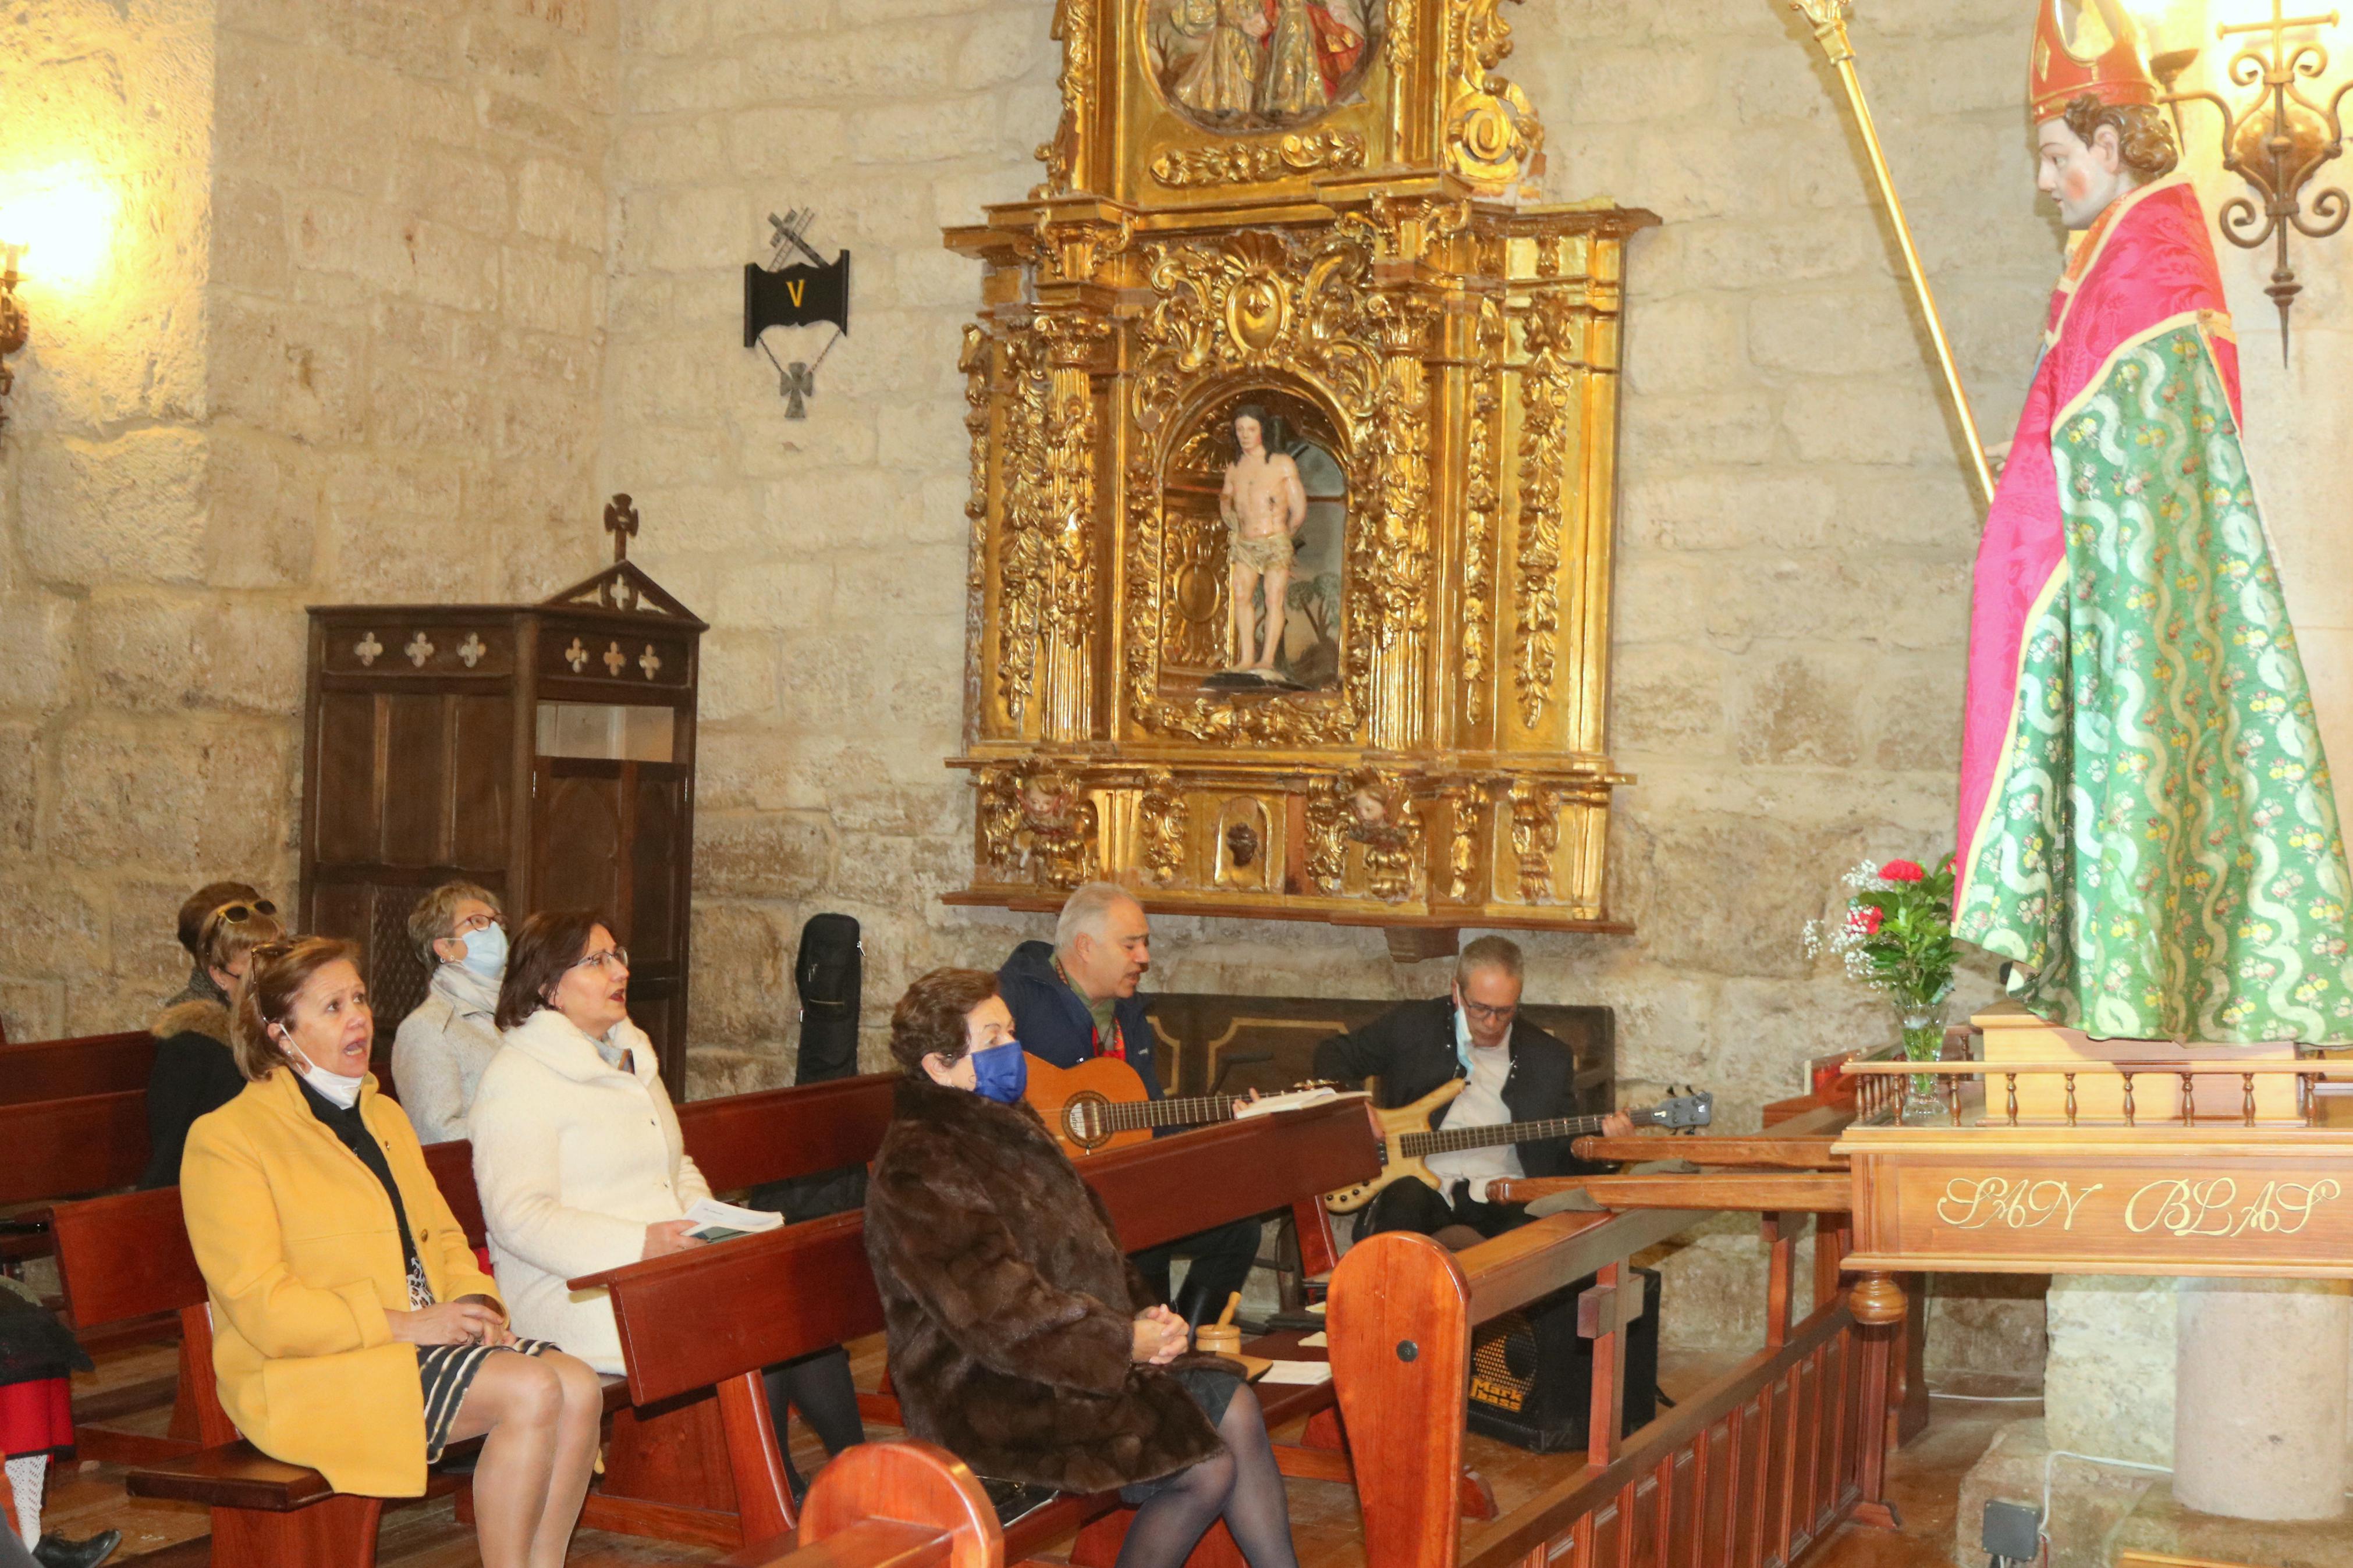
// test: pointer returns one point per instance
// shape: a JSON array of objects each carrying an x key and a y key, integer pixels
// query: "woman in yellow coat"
[{"x": 353, "y": 1331}]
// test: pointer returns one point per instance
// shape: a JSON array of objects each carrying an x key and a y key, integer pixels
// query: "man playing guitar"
[
  {"x": 1517, "y": 1072},
  {"x": 1077, "y": 1000}
]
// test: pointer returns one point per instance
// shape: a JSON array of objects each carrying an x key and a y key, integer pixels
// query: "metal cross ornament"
[{"x": 796, "y": 292}]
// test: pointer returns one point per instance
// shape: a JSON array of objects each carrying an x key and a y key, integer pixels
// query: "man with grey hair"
[
  {"x": 1075, "y": 999},
  {"x": 1517, "y": 1072}
]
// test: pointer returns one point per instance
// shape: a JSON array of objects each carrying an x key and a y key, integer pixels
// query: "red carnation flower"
[
  {"x": 1902, "y": 871},
  {"x": 1865, "y": 918}
]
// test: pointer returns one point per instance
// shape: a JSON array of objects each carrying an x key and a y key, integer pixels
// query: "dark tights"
[
  {"x": 819, "y": 1385},
  {"x": 1240, "y": 1485}
]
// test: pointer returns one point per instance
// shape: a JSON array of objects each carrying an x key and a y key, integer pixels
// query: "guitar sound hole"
[{"x": 1084, "y": 1116}]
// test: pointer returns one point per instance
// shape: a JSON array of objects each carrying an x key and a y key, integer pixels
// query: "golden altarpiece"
[{"x": 1317, "y": 216}]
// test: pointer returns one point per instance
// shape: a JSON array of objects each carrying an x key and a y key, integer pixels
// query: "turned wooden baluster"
[
  {"x": 1877, "y": 1303},
  {"x": 2070, "y": 1100},
  {"x": 2011, "y": 1079},
  {"x": 1953, "y": 1097},
  {"x": 2189, "y": 1100},
  {"x": 2247, "y": 1102},
  {"x": 2128, "y": 1100}
]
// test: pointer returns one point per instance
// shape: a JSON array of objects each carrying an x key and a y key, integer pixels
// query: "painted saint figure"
[
  {"x": 1221, "y": 79},
  {"x": 1263, "y": 504},
  {"x": 2146, "y": 828},
  {"x": 1293, "y": 84}
]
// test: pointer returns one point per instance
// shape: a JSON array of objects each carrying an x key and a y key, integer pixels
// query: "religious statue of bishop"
[{"x": 2147, "y": 830}]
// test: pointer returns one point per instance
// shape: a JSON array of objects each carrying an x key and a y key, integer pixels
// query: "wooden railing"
[
  {"x": 1881, "y": 1088},
  {"x": 1751, "y": 1468}
]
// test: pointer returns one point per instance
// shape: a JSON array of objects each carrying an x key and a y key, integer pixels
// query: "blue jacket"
[{"x": 1054, "y": 1026}]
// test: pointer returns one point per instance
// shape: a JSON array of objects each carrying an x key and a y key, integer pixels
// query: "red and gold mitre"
[{"x": 2104, "y": 60}]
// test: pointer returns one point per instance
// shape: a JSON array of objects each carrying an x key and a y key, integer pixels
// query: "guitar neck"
[
  {"x": 1191, "y": 1110},
  {"x": 1451, "y": 1140}
]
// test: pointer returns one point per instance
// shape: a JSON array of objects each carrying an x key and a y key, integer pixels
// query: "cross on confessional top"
[{"x": 621, "y": 522}]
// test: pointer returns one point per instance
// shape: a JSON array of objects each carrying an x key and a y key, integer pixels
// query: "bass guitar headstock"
[{"x": 1684, "y": 1112}]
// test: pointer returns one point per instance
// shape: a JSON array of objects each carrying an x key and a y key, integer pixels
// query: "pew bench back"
[{"x": 66, "y": 1069}]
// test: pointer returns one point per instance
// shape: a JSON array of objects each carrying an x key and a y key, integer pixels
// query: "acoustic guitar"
[
  {"x": 1406, "y": 1140},
  {"x": 1102, "y": 1104}
]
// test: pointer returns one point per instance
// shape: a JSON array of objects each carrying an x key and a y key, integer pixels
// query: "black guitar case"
[{"x": 827, "y": 972}]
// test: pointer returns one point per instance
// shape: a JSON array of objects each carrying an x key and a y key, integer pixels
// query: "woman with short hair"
[
  {"x": 446, "y": 1040},
  {"x": 581, "y": 1166},
  {"x": 1022, "y": 1338},
  {"x": 194, "y": 1071},
  {"x": 353, "y": 1331}
]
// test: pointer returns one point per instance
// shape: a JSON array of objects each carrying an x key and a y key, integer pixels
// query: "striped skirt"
[{"x": 446, "y": 1372}]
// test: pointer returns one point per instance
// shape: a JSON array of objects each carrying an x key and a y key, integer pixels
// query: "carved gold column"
[
  {"x": 1066, "y": 652},
  {"x": 1397, "y": 566}
]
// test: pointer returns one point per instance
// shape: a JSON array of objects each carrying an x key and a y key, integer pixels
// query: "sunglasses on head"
[{"x": 238, "y": 914}]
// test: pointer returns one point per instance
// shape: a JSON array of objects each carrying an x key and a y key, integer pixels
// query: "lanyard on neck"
[{"x": 1095, "y": 1034}]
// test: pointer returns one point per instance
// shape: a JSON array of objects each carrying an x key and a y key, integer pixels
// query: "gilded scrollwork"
[
  {"x": 1536, "y": 836},
  {"x": 1073, "y": 28},
  {"x": 1258, "y": 298},
  {"x": 1462, "y": 853},
  {"x": 1547, "y": 422},
  {"x": 1492, "y": 129},
  {"x": 974, "y": 362},
  {"x": 1383, "y": 816},
  {"x": 1160, "y": 816},
  {"x": 1243, "y": 163},
  {"x": 1327, "y": 849},
  {"x": 1397, "y": 568},
  {"x": 999, "y": 823},
  {"x": 1059, "y": 821},
  {"x": 1481, "y": 499},
  {"x": 1025, "y": 558}
]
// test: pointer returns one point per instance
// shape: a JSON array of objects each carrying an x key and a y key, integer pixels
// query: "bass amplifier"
[{"x": 1531, "y": 1373}]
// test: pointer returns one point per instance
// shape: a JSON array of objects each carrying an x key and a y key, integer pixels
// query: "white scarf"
[{"x": 467, "y": 991}]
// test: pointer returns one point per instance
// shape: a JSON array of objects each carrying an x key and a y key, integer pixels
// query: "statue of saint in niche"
[
  {"x": 1250, "y": 64},
  {"x": 1263, "y": 505}
]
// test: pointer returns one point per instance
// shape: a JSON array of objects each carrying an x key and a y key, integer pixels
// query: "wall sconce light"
[
  {"x": 15, "y": 325},
  {"x": 2276, "y": 141}
]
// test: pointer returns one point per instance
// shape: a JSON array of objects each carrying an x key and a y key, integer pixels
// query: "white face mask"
[{"x": 345, "y": 1093}]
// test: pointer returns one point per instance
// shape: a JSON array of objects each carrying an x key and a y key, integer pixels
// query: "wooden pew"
[
  {"x": 715, "y": 1316},
  {"x": 66, "y": 1069},
  {"x": 127, "y": 1257},
  {"x": 889, "y": 1505},
  {"x": 1751, "y": 1470},
  {"x": 65, "y": 1147}
]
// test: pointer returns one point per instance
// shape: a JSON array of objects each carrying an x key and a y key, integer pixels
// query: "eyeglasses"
[
  {"x": 238, "y": 914},
  {"x": 473, "y": 923},
  {"x": 611, "y": 958},
  {"x": 1486, "y": 1014}
]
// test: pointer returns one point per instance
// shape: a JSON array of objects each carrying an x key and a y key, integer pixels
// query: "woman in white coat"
[{"x": 579, "y": 1161}]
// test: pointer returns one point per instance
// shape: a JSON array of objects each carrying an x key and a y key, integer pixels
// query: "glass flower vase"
[{"x": 1923, "y": 1041}]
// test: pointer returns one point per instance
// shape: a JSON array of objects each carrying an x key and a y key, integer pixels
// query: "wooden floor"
[{"x": 1923, "y": 1478}]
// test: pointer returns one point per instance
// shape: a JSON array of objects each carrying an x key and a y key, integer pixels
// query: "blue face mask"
[
  {"x": 486, "y": 953},
  {"x": 1001, "y": 1072}
]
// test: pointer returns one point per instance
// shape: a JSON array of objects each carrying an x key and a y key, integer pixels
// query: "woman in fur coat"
[{"x": 1020, "y": 1338}]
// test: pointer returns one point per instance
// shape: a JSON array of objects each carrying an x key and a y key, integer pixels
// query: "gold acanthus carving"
[
  {"x": 1071, "y": 342},
  {"x": 1463, "y": 856},
  {"x": 1160, "y": 814},
  {"x": 1397, "y": 566},
  {"x": 1261, "y": 299},
  {"x": 975, "y": 361},
  {"x": 1036, "y": 824},
  {"x": 1547, "y": 419},
  {"x": 1308, "y": 152},
  {"x": 1025, "y": 570},
  {"x": 1536, "y": 836},
  {"x": 1074, "y": 29},
  {"x": 1481, "y": 501},
  {"x": 1492, "y": 129},
  {"x": 1384, "y": 818},
  {"x": 1073, "y": 251}
]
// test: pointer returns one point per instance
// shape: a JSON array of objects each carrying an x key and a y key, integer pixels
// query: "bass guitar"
[
  {"x": 1406, "y": 1140},
  {"x": 1102, "y": 1104}
]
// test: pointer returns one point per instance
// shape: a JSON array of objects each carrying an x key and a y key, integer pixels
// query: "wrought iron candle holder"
[{"x": 2275, "y": 140}]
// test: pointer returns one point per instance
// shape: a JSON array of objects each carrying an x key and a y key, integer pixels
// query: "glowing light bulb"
[{"x": 64, "y": 217}]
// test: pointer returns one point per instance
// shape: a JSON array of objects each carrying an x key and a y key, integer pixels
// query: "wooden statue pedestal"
[{"x": 2013, "y": 1035}]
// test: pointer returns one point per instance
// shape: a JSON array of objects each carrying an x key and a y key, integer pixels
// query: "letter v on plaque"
[{"x": 809, "y": 291}]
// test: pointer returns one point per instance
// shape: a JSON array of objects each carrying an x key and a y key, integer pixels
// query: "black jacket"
[
  {"x": 1410, "y": 1048},
  {"x": 194, "y": 1073},
  {"x": 1052, "y": 1024}
]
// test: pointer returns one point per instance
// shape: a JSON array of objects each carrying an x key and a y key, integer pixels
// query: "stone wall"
[
  {"x": 1790, "y": 490},
  {"x": 345, "y": 342}
]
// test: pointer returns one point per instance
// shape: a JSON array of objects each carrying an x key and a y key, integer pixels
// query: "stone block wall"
[{"x": 345, "y": 344}]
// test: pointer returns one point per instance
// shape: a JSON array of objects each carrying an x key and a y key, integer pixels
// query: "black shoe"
[{"x": 57, "y": 1551}]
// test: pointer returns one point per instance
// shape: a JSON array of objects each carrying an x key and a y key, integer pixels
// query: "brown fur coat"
[{"x": 1010, "y": 1306}]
